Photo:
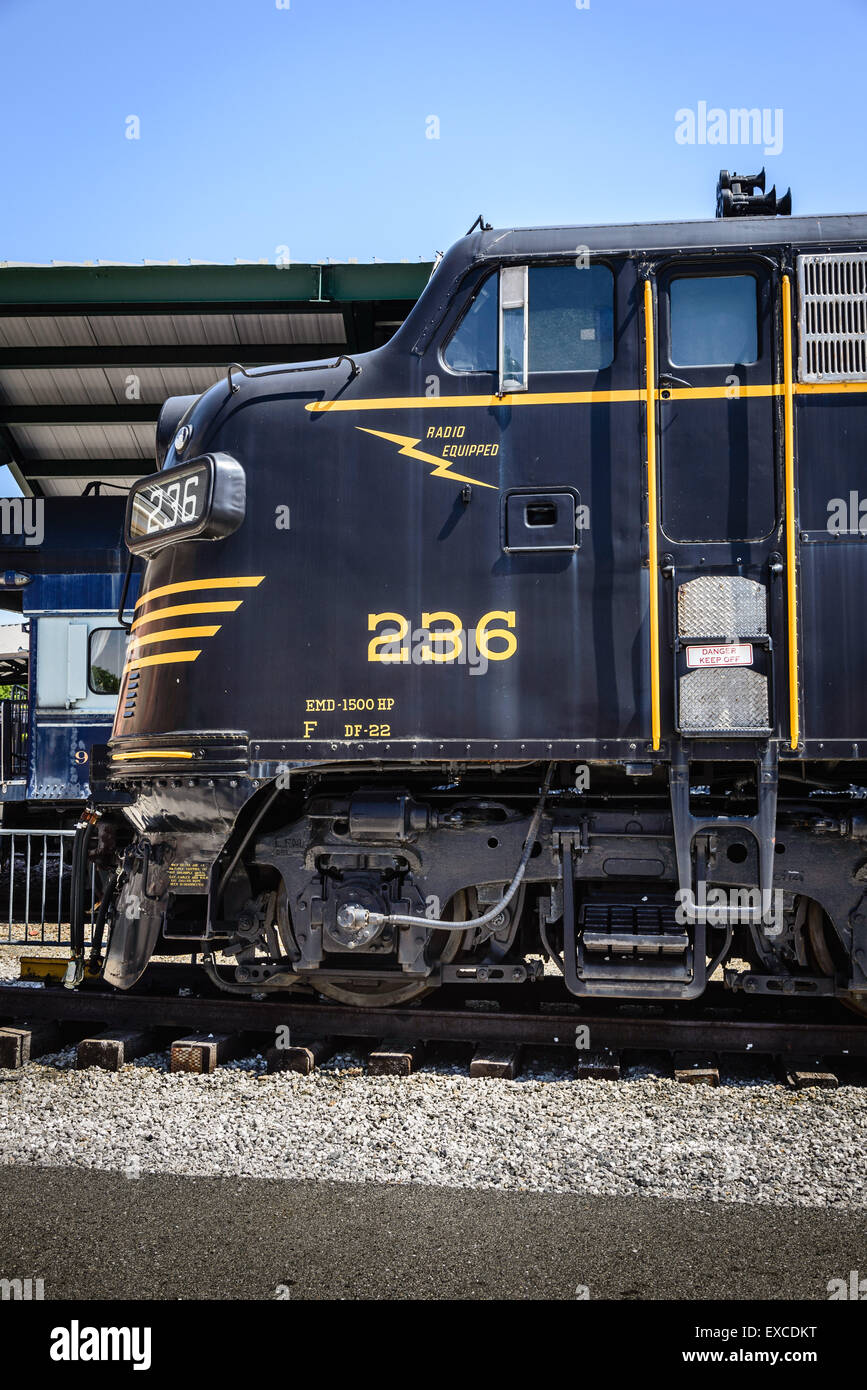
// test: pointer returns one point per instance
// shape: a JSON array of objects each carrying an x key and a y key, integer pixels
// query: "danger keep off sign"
[{"x": 723, "y": 654}]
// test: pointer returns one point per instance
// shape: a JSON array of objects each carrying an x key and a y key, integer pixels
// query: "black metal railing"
[
  {"x": 35, "y": 888},
  {"x": 13, "y": 735}
]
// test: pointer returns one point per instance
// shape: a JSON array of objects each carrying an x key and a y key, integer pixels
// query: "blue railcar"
[{"x": 61, "y": 690}]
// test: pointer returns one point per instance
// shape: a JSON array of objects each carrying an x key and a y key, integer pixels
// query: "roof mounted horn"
[{"x": 736, "y": 196}]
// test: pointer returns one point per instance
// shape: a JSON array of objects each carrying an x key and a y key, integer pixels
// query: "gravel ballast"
[{"x": 747, "y": 1141}]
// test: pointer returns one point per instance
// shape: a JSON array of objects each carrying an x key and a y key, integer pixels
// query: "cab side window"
[
  {"x": 571, "y": 319},
  {"x": 524, "y": 319},
  {"x": 473, "y": 345},
  {"x": 714, "y": 320}
]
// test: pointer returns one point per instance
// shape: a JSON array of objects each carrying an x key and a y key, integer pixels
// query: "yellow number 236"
[{"x": 444, "y": 643}]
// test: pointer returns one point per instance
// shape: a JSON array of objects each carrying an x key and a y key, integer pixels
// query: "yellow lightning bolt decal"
[{"x": 442, "y": 468}]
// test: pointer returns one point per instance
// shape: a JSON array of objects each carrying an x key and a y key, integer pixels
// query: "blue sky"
[
  {"x": 263, "y": 127},
  {"x": 266, "y": 124}
]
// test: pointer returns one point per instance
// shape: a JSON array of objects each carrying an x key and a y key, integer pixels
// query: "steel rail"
[{"x": 312, "y": 1018}]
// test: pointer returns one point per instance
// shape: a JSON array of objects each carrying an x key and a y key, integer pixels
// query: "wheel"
[
  {"x": 820, "y": 948},
  {"x": 379, "y": 994}
]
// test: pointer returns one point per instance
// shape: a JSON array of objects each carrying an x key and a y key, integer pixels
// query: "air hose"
[{"x": 353, "y": 918}]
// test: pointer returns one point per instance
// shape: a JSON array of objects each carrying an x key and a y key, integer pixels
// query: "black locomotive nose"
[{"x": 168, "y": 421}]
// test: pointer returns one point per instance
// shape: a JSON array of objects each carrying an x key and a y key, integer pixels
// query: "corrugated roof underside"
[
  {"x": 86, "y": 442},
  {"x": 169, "y": 330},
  {"x": 103, "y": 385}
]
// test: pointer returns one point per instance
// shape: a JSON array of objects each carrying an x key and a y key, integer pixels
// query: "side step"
[
  {"x": 634, "y": 947},
  {"x": 636, "y": 929},
  {"x": 628, "y": 948}
]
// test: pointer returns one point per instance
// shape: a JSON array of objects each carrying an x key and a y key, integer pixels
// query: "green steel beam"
[
  {"x": 53, "y": 288},
  {"x": 157, "y": 308}
]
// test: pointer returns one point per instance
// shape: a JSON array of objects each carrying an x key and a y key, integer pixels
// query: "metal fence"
[{"x": 35, "y": 876}]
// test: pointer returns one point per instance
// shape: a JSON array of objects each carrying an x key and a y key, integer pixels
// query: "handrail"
[
  {"x": 287, "y": 371},
  {"x": 791, "y": 562},
  {"x": 653, "y": 559}
]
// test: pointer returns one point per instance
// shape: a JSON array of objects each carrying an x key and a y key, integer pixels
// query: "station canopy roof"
[{"x": 88, "y": 353}]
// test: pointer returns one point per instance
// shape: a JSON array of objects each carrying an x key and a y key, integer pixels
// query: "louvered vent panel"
[{"x": 833, "y": 317}]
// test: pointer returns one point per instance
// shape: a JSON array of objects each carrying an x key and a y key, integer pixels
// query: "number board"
[{"x": 164, "y": 503}]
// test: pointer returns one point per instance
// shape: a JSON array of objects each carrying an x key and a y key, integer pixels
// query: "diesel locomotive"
[{"x": 531, "y": 639}]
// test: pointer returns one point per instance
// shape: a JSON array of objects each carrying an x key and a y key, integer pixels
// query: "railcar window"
[
  {"x": 571, "y": 326},
  {"x": 714, "y": 320},
  {"x": 473, "y": 345},
  {"x": 107, "y": 651}
]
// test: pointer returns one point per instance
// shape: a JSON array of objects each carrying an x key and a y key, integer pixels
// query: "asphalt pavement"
[{"x": 102, "y": 1235}]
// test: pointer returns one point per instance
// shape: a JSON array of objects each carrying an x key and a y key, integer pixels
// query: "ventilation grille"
[
  {"x": 132, "y": 687},
  {"x": 734, "y": 701},
  {"x": 720, "y": 605},
  {"x": 833, "y": 317}
]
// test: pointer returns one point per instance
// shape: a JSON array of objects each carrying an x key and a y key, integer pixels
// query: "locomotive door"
[
  {"x": 554, "y": 545},
  {"x": 716, "y": 408},
  {"x": 718, "y": 440}
]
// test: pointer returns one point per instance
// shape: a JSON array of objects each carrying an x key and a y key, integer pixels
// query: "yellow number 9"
[{"x": 483, "y": 635}]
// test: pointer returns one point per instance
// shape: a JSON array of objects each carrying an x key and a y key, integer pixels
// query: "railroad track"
[{"x": 298, "y": 1031}]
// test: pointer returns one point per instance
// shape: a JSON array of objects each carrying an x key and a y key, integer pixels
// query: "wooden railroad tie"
[
  {"x": 303, "y": 1056},
  {"x": 800, "y": 1072},
  {"x": 21, "y": 1042},
  {"x": 112, "y": 1049},
  {"x": 201, "y": 1052},
  {"x": 496, "y": 1061},
  {"x": 696, "y": 1068},
  {"x": 395, "y": 1057}
]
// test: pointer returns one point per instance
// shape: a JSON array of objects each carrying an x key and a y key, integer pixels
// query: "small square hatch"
[{"x": 544, "y": 520}]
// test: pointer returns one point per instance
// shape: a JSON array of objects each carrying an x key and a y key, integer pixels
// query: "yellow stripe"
[
  {"x": 789, "y": 437},
  {"x": 171, "y": 634},
  {"x": 824, "y": 388},
  {"x": 650, "y": 405},
  {"x": 167, "y": 659},
  {"x": 153, "y": 753},
  {"x": 675, "y": 393},
  {"x": 803, "y": 388},
  {"x": 239, "y": 582},
  {"x": 455, "y": 402},
  {"x": 180, "y": 610},
  {"x": 717, "y": 393}
]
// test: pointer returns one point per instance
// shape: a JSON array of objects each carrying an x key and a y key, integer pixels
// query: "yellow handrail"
[
  {"x": 791, "y": 570},
  {"x": 653, "y": 563}
]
